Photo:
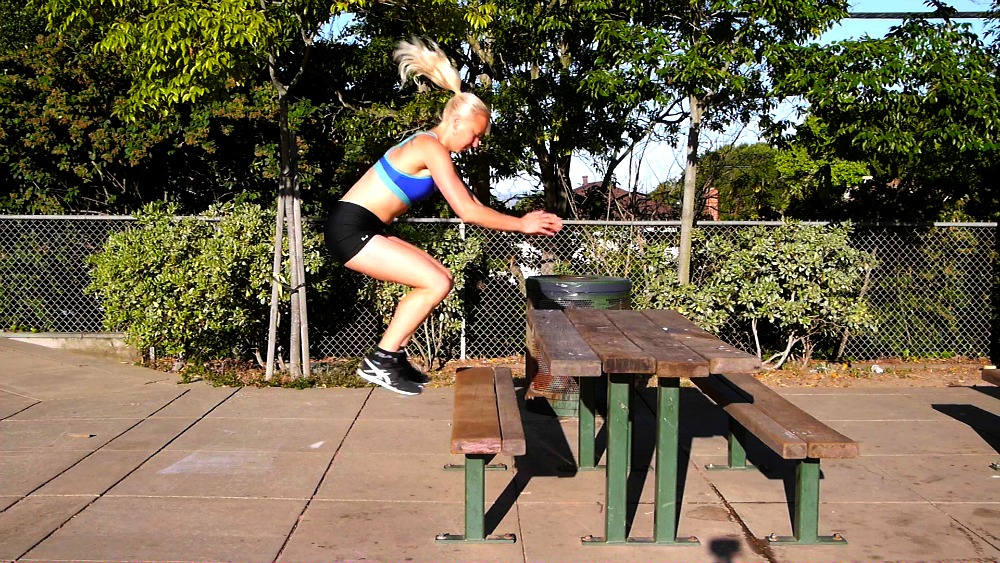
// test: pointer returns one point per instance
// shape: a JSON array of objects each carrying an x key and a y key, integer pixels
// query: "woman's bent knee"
[{"x": 443, "y": 285}]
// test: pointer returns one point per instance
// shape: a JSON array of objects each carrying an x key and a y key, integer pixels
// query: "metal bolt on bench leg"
[
  {"x": 805, "y": 523},
  {"x": 475, "y": 498},
  {"x": 489, "y": 467}
]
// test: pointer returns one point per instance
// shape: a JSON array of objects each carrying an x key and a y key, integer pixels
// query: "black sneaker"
[
  {"x": 390, "y": 376},
  {"x": 413, "y": 374}
]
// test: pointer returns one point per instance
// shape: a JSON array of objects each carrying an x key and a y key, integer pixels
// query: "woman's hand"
[{"x": 540, "y": 223}]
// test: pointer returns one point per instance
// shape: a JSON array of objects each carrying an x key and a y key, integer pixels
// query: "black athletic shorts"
[{"x": 349, "y": 228}]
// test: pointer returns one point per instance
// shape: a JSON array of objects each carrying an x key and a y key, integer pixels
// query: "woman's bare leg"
[{"x": 394, "y": 260}]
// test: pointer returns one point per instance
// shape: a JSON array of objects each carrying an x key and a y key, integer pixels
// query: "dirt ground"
[{"x": 888, "y": 372}]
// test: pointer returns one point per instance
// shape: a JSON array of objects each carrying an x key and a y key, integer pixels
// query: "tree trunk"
[
  {"x": 300, "y": 252},
  {"x": 290, "y": 203},
  {"x": 690, "y": 183},
  {"x": 554, "y": 170},
  {"x": 272, "y": 330},
  {"x": 480, "y": 180}
]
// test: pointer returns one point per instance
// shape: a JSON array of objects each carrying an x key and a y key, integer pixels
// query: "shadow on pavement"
[{"x": 985, "y": 423}]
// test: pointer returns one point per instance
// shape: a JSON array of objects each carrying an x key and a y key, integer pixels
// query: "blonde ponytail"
[{"x": 419, "y": 57}]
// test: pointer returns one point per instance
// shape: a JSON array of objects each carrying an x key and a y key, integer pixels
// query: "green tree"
[
  {"x": 19, "y": 25},
  {"x": 921, "y": 106},
  {"x": 180, "y": 52},
  {"x": 747, "y": 181},
  {"x": 562, "y": 77},
  {"x": 65, "y": 150},
  {"x": 818, "y": 188},
  {"x": 721, "y": 64},
  {"x": 568, "y": 78}
]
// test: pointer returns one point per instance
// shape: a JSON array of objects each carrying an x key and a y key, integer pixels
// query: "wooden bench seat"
[
  {"x": 992, "y": 376},
  {"x": 790, "y": 432},
  {"x": 486, "y": 422}
]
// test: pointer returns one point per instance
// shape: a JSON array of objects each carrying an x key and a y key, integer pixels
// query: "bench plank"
[
  {"x": 618, "y": 354},
  {"x": 511, "y": 429},
  {"x": 673, "y": 359},
  {"x": 992, "y": 376},
  {"x": 475, "y": 427},
  {"x": 722, "y": 358},
  {"x": 773, "y": 435},
  {"x": 560, "y": 346},
  {"x": 823, "y": 441}
]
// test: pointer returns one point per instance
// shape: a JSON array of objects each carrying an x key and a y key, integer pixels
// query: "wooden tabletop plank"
[
  {"x": 511, "y": 429},
  {"x": 675, "y": 323},
  {"x": 560, "y": 345},
  {"x": 784, "y": 442},
  {"x": 722, "y": 358},
  {"x": 822, "y": 441},
  {"x": 618, "y": 354},
  {"x": 475, "y": 428},
  {"x": 673, "y": 359}
]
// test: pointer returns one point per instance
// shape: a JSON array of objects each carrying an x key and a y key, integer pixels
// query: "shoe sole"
[{"x": 381, "y": 383}]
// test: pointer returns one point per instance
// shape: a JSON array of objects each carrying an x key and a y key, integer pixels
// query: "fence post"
[{"x": 461, "y": 234}]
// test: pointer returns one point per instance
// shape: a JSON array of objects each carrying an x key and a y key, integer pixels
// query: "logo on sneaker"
[
  {"x": 376, "y": 374},
  {"x": 388, "y": 378}
]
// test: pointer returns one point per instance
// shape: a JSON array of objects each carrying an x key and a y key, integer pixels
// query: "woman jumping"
[{"x": 409, "y": 172}]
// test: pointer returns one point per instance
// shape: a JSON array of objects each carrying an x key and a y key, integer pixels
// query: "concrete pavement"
[{"x": 101, "y": 461}]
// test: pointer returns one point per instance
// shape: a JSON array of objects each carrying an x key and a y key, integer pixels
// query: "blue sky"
[
  {"x": 856, "y": 28},
  {"x": 664, "y": 162}
]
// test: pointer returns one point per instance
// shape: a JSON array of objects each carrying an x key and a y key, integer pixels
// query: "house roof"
[{"x": 626, "y": 205}]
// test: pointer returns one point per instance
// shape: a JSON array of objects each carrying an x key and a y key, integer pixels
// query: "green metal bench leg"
[
  {"x": 737, "y": 440},
  {"x": 805, "y": 518},
  {"x": 588, "y": 406},
  {"x": 475, "y": 499}
]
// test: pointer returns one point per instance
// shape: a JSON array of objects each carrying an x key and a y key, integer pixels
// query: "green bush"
[
  {"x": 794, "y": 285},
  {"x": 195, "y": 288}
]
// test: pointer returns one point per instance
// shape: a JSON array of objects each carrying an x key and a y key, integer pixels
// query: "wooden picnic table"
[{"x": 622, "y": 345}]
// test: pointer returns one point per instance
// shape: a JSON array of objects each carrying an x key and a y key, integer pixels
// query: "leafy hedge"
[
  {"x": 794, "y": 286},
  {"x": 195, "y": 288}
]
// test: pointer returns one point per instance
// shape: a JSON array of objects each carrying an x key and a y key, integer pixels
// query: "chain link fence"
[{"x": 931, "y": 291}]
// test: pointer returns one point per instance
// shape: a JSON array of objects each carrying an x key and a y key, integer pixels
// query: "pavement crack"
[
  {"x": 322, "y": 479},
  {"x": 758, "y": 546}
]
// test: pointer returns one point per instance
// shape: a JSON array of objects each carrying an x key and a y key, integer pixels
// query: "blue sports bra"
[{"x": 407, "y": 187}]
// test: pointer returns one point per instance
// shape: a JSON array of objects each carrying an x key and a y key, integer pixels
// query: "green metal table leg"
[
  {"x": 737, "y": 449},
  {"x": 805, "y": 519},
  {"x": 588, "y": 406},
  {"x": 616, "y": 470},
  {"x": 667, "y": 462},
  {"x": 631, "y": 424},
  {"x": 475, "y": 499}
]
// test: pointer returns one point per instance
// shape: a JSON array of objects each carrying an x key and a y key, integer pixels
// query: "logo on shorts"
[{"x": 364, "y": 237}]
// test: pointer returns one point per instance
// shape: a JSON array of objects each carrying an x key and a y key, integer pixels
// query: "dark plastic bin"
[{"x": 560, "y": 395}]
